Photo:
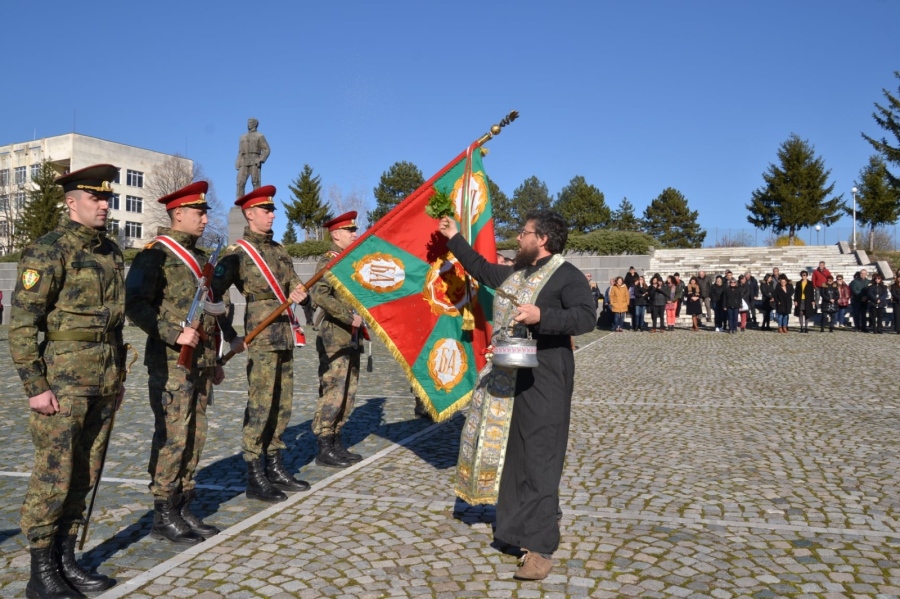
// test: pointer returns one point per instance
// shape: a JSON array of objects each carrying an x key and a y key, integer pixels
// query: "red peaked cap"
[
  {"x": 258, "y": 197},
  {"x": 192, "y": 196},
  {"x": 345, "y": 221}
]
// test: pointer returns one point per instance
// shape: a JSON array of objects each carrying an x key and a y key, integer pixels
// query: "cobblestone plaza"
[{"x": 700, "y": 465}]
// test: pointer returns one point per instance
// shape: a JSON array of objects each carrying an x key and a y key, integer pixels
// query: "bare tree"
[
  {"x": 738, "y": 239},
  {"x": 354, "y": 200},
  {"x": 7, "y": 214},
  {"x": 877, "y": 239}
]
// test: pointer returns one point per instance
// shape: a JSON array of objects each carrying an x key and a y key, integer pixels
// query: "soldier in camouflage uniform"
[
  {"x": 270, "y": 365},
  {"x": 159, "y": 290},
  {"x": 338, "y": 347},
  {"x": 70, "y": 288}
]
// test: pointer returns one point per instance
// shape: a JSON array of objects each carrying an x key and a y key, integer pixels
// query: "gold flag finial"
[{"x": 495, "y": 129}]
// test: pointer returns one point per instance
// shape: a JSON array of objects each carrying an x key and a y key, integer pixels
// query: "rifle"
[
  {"x": 112, "y": 421},
  {"x": 198, "y": 306}
]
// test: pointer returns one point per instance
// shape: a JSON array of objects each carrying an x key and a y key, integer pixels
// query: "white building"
[{"x": 133, "y": 217}]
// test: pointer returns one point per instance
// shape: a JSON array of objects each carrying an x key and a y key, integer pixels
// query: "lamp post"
[
  {"x": 853, "y": 191},
  {"x": 818, "y": 228}
]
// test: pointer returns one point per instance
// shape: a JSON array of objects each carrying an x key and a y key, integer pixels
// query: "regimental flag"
[{"x": 414, "y": 295}]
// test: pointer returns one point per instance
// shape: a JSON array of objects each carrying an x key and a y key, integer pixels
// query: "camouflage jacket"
[
  {"x": 236, "y": 268},
  {"x": 334, "y": 316},
  {"x": 159, "y": 290},
  {"x": 69, "y": 285}
]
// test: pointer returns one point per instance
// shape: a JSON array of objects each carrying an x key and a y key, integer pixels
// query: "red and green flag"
[{"x": 416, "y": 298}]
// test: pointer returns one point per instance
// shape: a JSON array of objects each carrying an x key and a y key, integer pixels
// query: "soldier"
[
  {"x": 69, "y": 287},
  {"x": 253, "y": 150},
  {"x": 263, "y": 272},
  {"x": 159, "y": 290},
  {"x": 338, "y": 347}
]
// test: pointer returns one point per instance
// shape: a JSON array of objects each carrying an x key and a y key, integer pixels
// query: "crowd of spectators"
[{"x": 732, "y": 303}]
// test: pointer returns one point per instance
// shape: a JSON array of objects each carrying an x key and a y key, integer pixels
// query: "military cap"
[
  {"x": 344, "y": 221},
  {"x": 192, "y": 196},
  {"x": 257, "y": 197},
  {"x": 96, "y": 179}
]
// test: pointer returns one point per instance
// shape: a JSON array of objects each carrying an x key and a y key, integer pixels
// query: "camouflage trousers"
[
  {"x": 178, "y": 401},
  {"x": 67, "y": 451},
  {"x": 270, "y": 375},
  {"x": 338, "y": 377}
]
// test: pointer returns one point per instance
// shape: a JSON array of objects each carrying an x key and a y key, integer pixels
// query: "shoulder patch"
[
  {"x": 50, "y": 238},
  {"x": 30, "y": 278},
  {"x": 219, "y": 271},
  {"x": 331, "y": 254}
]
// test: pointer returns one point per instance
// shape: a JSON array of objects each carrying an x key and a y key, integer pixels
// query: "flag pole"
[{"x": 495, "y": 129}]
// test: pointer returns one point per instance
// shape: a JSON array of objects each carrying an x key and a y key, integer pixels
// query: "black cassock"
[{"x": 539, "y": 431}]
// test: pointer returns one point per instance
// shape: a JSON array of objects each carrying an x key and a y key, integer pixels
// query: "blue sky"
[{"x": 634, "y": 96}]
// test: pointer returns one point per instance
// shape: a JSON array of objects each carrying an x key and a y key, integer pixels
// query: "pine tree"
[
  {"x": 307, "y": 210},
  {"x": 794, "y": 195},
  {"x": 396, "y": 184},
  {"x": 44, "y": 208},
  {"x": 888, "y": 118},
  {"x": 290, "y": 234},
  {"x": 668, "y": 219},
  {"x": 877, "y": 201},
  {"x": 623, "y": 217},
  {"x": 531, "y": 195},
  {"x": 501, "y": 207},
  {"x": 583, "y": 206}
]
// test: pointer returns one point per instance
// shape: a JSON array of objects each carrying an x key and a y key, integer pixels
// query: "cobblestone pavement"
[{"x": 700, "y": 465}]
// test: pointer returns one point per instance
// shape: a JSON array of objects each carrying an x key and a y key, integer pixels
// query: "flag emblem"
[
  {"x": 379, "y": 272},
  {"x": 477, "y": 192},
  {"x": 447, "y": 364},
  {"x": 445, "y": 286}
]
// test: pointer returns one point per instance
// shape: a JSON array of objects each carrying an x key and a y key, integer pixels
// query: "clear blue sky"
[{"x": 634, "y": 96}]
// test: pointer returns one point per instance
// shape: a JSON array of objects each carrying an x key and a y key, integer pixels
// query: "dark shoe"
[
  {"x": 46, "y": 581},
  {"x": 259, "y": 487},
  {"x": 168, "y": 524},
  {"x": 342, "y": 451},
  {"x": 533, "y": 566},
  {"x": 77, "y": 578},
  {"x": 280, "y": 478},
  {"x": 192, "y": 520},
  {"x": 327, "y": 455}
]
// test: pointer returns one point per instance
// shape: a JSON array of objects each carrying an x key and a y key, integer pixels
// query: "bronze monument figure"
[{"x": 252, "y": 153}]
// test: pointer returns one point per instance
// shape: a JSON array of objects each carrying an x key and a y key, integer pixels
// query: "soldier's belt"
[
  {"x": 81, "y": 336},
  {"x": 258, "y": 297}
]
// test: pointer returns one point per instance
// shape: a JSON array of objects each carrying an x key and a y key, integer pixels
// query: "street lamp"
[
  {"x": 818, "y": 228},
  {"x": 853, "y": 191}
]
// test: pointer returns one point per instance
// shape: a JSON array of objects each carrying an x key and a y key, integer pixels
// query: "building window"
[
  {"x": 4, "y": 177},
  {"x": 4, "y": 202},
  {"x": 114, "y": 201},
  {"x": 134, "y": 230},
  {"x": 134, "y": 178},
  {"x": 134, "y": 204},
  {"x": 112, "y": 226},
  {"x": 35, "y": 171},
  {"x": 20, "y": 200},
  {"x": 4, "y": 228},
  {"x": 20, "y": 175},
  {"x": 118, "y": 175}
]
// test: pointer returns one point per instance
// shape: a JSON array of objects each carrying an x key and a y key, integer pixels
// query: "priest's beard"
[{"x": 526, "y": 256}]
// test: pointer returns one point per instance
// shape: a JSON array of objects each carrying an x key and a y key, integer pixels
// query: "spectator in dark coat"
[
  {"x": 829, "y": 294},
  {"x": 705, "y": 283},
  {"x": 895, "y": 301},
  {"x": 732, "y": 300},
  {"x": 783, "y": 299},
  {"x": 641, "y": 294},
  {"x": 657, "y": 297},
  {"x": 746, "y": 300},
  {"x": 693, "y": 303},
  {"x": 859, "y": 298},
  {"x": 753, "y": 286},
  {"x": 879, "y": 296},
  {"x": 766, "y": 291},
  {"x": 717, "y": 298}
]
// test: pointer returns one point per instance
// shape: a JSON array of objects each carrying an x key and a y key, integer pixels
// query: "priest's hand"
[
  {"x": 448, "y": 227},
  {"x": 528, "y": 314}
]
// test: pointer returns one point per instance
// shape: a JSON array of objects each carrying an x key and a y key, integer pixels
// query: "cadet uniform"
[
  {"x": 70, "y": 288},
  {"x": 270, "y": 363},
  {"x": 160, "y": 288},
  {"x": 338, "y": 347}
]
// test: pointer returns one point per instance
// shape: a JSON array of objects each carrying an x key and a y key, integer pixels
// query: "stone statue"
[{"x": 252, "y": 152}]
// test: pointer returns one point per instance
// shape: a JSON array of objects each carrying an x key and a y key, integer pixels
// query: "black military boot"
[
  {"x": 76, "y": 577},
  {"x": 327, "y": 456},
  {"x": 168, "y": 523},
  {"x": 259, "y": 487},
  {"x": 192, "y": 520},
  {"x": 46, "y": 581},
  {"x": 340, "y": 450},
  {"x": 280, "y": 478}
]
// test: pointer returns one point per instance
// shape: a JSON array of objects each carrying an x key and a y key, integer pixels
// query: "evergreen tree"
[
  {"x": 877, "y": 201},
  {"x": 290, "y": 234},
  {"x": 794, "y": 195},
  {"x": 531, "y": 195},
  {"x": 888, "y": 118},
  {"x": 623, "y": 217},
  {"x": 504, "y": 225},
  {"x": 44, "y": 208},
  {"x": 669, "y": 220},
  {"x": 583, "y": 206},
  {"x": 307, "y": 210},
  {"x": 396, "y": 184}
]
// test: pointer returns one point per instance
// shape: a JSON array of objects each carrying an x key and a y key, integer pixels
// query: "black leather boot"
[
  {"x": 168, "y": 523},
  {"x": 77, "y": 578},
  {"x": 280, "y": 478},
  {"x": 259, "y": 487},
  {"x": 46, "y": 581},
  {"x": 327, "y": 455},
  {"x": 192, "y": 520},
  {"x": 340, "y": 450}
]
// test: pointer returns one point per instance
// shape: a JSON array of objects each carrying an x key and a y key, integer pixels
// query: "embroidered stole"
[
  {"x": 259, "y": 261},
  {"x": 482, "y": 445}
]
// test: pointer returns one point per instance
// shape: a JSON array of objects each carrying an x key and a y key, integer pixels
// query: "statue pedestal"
[{"x": 236, "y": 224}]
